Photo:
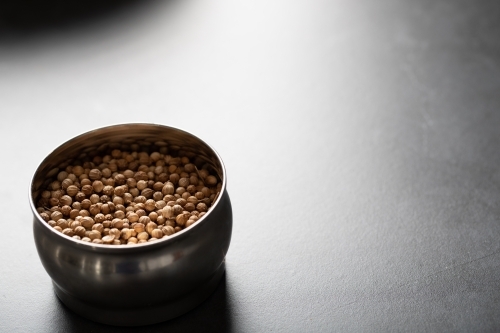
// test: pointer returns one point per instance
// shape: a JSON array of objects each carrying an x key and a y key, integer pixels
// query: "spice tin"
[{"x": 144, "y": 283}]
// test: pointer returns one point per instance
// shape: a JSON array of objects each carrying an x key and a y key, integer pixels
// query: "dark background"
[{"x": 361, "y": 141}]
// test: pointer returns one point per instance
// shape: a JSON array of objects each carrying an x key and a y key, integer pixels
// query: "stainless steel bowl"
[{"x": 145, "y": 283}]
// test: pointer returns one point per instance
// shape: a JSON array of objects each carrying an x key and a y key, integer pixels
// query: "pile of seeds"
[{"x": 127, "y": 197}]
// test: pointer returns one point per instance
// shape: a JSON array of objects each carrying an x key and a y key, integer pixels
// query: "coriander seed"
[
  {"x": 62, "y": 223},
  {"x": 115, "y": 232},
  {"x": 68, "y": 232},
  {"x": 106, "y": 172},
  {"x": 119, "y": 214},
  {"x": 177, "y": 209},
  {"x": 167, "y": 212},
  {"x": 156, "y": 233},
  {"x": 72, "y": 190},
  {"x": 94, "y": 234},
  {"x": 153, "y": 216},
  {"x": 189, "y": 207},
  {"x": 150, "y": 205},
  {"x": 94, "y": 198},
  {"x": 191, "y": 189},
  {"x": 85, "y": 181},
  {"x": 160, "y": 220},
  {"x": 108, "y": 190},
  {"x": 80, "y": 231},
  {"x": 160, "y": 204},
  {"x": 141, "y": 236},
  {"x": 53, "y": 202},
  {"x": 132, "y": 217},
  {"x": 108, "y": 239},
  {"x": 147, "y": 193},
  {"x": 86, "y": 204},
  {"x": 55, "y": 185},
  {"x": 119, "y": 191},
  {"x": 174, "y": 178},
  {"x": 117, "y": 223},
  {"x": 66, "y": 183},
  {"x": 84, "y": 212},
  {"x": 168, "y": 230},
  {"x": 181, "y": 219},
  {"x": 150, "y": 227},
  {"x": 98, "y": 186},
  {"x": 126, "y": 233},
  {"x": 180, "y": 190},
  {"x": 87, "y": 222},
  {"x": 184, "y": 182},
  {"x": 62, "y": 176},
  {"x": 80, "y": 196},
  {"x": 74, "y": 224},
  {"x": 56, "y": 216},
  {"x": 98, "y": 226},
  {"x": 139, "y": 227}
]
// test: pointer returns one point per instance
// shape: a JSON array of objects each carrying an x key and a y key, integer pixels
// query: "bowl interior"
[{"x": 131, "y": 137}]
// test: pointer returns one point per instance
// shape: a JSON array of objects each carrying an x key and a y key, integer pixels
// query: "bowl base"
[{"x": 144, "y": 315}]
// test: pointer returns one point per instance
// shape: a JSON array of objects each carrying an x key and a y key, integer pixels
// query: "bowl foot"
[{"x": 144, "y": 315}]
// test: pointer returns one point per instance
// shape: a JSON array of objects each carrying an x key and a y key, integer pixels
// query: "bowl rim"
[{"x": 125, "y": 247}]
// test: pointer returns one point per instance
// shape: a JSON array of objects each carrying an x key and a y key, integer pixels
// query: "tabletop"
[{"x": 361, "y": 141}]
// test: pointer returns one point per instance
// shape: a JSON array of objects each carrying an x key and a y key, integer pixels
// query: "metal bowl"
[{"x": 144, "y": 283}]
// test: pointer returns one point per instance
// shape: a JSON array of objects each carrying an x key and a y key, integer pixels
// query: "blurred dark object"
[{"x": 27, "y": 15}]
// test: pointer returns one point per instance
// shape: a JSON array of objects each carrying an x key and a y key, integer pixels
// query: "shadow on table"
[
  {"x": 213, "y": 315},
  {"x": 31, "y": 16}
]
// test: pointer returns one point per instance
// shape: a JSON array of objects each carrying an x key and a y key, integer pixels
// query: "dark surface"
[{"x": 361, "y": 140}]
